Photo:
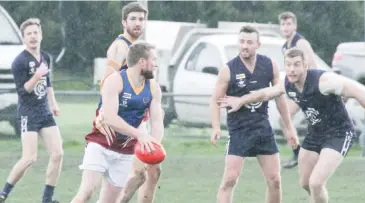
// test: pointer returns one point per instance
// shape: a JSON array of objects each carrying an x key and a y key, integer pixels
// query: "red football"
[{"x": 154, "y": 157}]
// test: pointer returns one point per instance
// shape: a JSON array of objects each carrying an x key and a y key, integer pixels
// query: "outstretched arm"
[
  {"x": 156, "y": 117},
  {"x": 261, "y": 95},
  {"x": 331, "y": 83}
]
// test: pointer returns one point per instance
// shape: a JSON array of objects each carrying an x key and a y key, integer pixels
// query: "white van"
[{"x": 10, "y": 46}]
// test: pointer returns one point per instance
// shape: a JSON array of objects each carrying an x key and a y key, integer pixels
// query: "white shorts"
[{"x": 115, "y": 166}]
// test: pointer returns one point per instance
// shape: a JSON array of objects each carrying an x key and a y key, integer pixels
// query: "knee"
[
  {"x": 154, "y": 172},
  {"x": 274, "y": 181},
  {"x": 57, "y": 156},
  {"x": 229, "y": 182},
  {"x": 29, "y": 160},
  {"x": 84, "y": 195},
  {"x": 304, "y": 184},
  {"x": 140, "y": 174},
  {"x": 315, "y": 185}
]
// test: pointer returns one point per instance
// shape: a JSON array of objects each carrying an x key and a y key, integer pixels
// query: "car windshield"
[
  {"x": 273, "y": 51},
  {"x": 8, "y": 34}
]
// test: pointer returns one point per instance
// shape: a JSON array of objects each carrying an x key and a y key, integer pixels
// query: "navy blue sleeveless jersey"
[
  {"x": 129, "y": 43},
  {"x": 242, "y": 82},
  {"x": 132, "y": 105},
  {"x": 293, "y": 43},
  {"x": 34, "y": 104},
  {"x": 324, "y": 113}
]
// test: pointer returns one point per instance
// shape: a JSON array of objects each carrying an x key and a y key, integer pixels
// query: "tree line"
[{"x": 87, "y": 28}]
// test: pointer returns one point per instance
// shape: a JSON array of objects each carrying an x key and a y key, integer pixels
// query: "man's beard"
[
  {"x": 131, "y": 33},
  {"x": 247, "y": 56},
  {"x": 147, "y": 74}
]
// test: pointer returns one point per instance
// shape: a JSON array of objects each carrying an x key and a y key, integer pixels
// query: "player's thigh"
[
  {"x": 94, "y": 158},
  {"x": 327, "y": 163},
  {"x": 137, "y": 165},
  {"x": 29, "y": 145},
  {"x": 89, "y": 182},
  {"x": 270, "y": 166},
  {"x": 52, "y": 139},
  {"x": 119, "y": 169},
  {"x": 232, "y": 168},
  {"x": 307, "y": 160},
  {"x": 109, "y": 193}
]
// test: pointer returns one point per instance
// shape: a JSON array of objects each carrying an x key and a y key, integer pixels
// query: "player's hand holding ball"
[{"x": 148, "y": 150}]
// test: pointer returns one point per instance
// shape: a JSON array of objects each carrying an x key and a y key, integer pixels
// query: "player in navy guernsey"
[
  {"x": 250, "y": 132},
  {"x": 126, "y": 96},
  {"x": 330, "y": 130},
  {"x": 36, "y": 107},
  {"x": 288, "y": 27},
  {"x": 134, "y": 17}
]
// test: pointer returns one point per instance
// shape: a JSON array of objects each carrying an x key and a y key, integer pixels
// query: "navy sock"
[
  {"x": 7, "y": 189},
  {"x": 296, "y": 151},
  {"x": 48, "y": 193}
]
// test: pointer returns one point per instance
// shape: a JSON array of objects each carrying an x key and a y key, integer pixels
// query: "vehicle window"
[
  {"x": 274, "y": 52},
  {"x": 204, "y": 55},
  {"x": 8, "y": 34}
]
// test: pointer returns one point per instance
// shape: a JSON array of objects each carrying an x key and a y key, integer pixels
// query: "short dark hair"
[
  {"x": 29, "y": 22},
  {"x": 288, "y": 15},
  {"x": 250, "y": 29},
  {"x": 138, "y": 50},
  {"x": 294, "y": 52},
  {"x": 133, "y": 7}
]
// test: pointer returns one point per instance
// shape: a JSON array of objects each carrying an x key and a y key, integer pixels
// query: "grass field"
[{"x": 191, "y": 172}]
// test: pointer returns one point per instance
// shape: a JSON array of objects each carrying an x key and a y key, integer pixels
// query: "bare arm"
[
  {"x": 50, "y": 93},
  {"x": 110, "y": 97},
  {"x": 220, "y": 90},
  {"x": 51, "y": 96},
  {"x": 308, "y": 52},
  {"x": 156, "y": 118},
  {"x": 281, "y": 103},
  {"x": 30, "y": 84},
  {"x": 264, "y": 94},
  {"x": 331, "y": 83},
  {"x": 116, "y": 54}
]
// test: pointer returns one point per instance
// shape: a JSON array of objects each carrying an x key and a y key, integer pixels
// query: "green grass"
[{"x": 191, "y": 172}]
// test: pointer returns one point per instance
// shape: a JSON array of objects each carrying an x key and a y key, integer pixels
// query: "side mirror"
[{"x": 210, "y": 70}]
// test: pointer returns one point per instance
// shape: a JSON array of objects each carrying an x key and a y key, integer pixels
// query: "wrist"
[
  {"x": 217, "y": 128},
  {"x": 242, "y": 100},
  {"x": 37, "y": 76}
]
